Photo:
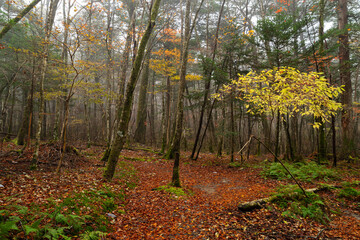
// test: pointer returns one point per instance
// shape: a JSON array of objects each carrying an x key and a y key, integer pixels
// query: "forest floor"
[{"x": 208, "y": 211}]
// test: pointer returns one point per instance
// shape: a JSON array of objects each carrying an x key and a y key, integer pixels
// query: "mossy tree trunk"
[
  {"x": 122, "y": 129},
  {"x": 15, "y": 20},
  {"x": 123, "y": 66},
  {"x": 140, "y": 132}
]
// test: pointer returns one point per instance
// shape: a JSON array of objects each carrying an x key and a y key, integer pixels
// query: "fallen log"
[{"x": 259, "y": 203}]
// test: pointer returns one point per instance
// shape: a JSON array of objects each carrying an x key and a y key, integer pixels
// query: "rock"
[{"x": 111, "y": 215}]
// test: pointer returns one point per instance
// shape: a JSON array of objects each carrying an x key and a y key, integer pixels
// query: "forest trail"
[{"x": 210, "y": 212}]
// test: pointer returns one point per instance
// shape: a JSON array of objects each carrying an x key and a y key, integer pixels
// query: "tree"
[
  {"x": 140, "y": 132},
  {"x": 127, "y": 108},
  {"x": 208, "y": 73},
  {"x": 165, "y": 62},
  {"x": 345, "y": 78},
  {"x": 174, "y": 150},
  {"x": 287, "y": 91},
  {"x": 48, "y": 28}
]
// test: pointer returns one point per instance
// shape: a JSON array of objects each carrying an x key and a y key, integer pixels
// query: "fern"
[
  {"x": 8, "y": 226},
  {"x": 93, "y": 235}
]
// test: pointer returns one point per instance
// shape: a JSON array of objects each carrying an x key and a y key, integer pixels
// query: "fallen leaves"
[{"x": 209, "y": 213}]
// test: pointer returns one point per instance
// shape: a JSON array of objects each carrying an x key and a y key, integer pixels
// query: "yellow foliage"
[{"x": 286, "y": 90}]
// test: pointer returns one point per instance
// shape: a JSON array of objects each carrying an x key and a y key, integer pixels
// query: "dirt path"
[{"x": 210, "y": 213}]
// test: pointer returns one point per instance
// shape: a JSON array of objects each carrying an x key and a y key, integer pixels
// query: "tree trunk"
[
  {"x": 175, "y": 145},
  {"x": 321, "y": 133},
  {"x": 122, "y": 129},
  {"x": 152, "y": 113},
  {"x": 345, "y": 77},
  {"x": 43, "y": 68},
  {"x": 208, "y": 75},
  {"x": 11, "y": 113},
  {"x": 232, "y": 128},
  {"x": 15, "y": 20},
  {"x": 288, "y": 137},
  {"x": 140, "y": 132},
  {"x": 123, "y": 66},
  {"x": 109, "y": 67},
  {"x": 277, "y": 134},
  {"x": 221, "y": 141}
]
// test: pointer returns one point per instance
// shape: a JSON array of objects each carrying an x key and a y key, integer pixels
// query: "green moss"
[
  {"x": 175, "y": 191},
  {"x": 305, "y": 171},
  {"x": 137, "y": 159},
  {"x": 295, "y": 204},
  {"x": 349, "y": 193},
  {"x": 235, "y": 164},
  {"x": 351, "y": 184}
]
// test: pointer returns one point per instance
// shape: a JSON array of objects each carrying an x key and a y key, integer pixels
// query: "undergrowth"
[
  {"x": 127, "y": 173},
  {"x": 294, "y": 203},
  {"x": 349, "y": 191},
  {"x": 80, "y": 215},
  {"x": 304, "y": 171}
]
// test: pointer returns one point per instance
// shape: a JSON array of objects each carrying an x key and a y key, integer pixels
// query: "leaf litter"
[{"x": 208, "y": 212}]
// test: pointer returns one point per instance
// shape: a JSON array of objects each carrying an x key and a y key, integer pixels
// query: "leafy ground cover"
[{"x": 138, "y": 204}]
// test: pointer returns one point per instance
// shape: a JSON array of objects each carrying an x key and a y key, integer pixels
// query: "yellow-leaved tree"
[{"x": 286, "y": 91}]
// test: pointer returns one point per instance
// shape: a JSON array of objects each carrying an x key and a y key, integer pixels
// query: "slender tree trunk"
[
  {"x": 209, "y": 123},
  {"x": 288, "y": 137},
  {"x": 127, "y": 108},
  {"x": 321, "y": 68},
  {"x": 123, "y": 70},
  {"x": 208, "y": 73},
  {"x": 44, "y": 124},
  {"x": 11, "y": 113},
  {"x": 221, "y": 142},
  {"x": 174, "y": 150},
  {"x": 232, "y": 128},
  {"x": 44, "y": 62},
  {"x": 175, "y": 146},
  {"x": 333, "y": 140},
  {"x": 109, "y": 67},
  {"x": 277, "y": 135},
  {"x": 345, "y": 77},
  {"x": 163, "y": 125},
  {"x": 152, "y": 112},
  {"x": 3, "y": 110}
]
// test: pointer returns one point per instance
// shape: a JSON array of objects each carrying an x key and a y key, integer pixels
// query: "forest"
[{"x": 179, "y": 119}]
